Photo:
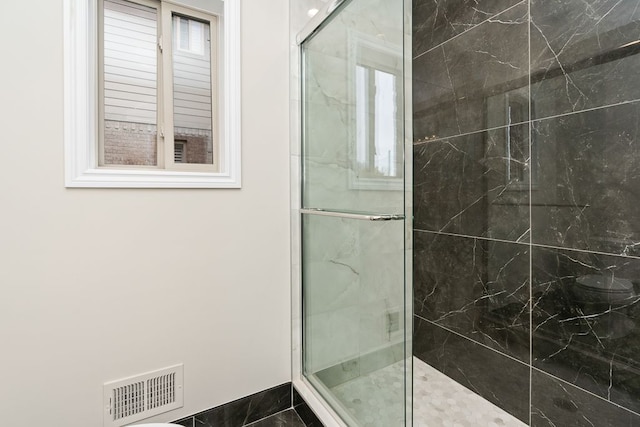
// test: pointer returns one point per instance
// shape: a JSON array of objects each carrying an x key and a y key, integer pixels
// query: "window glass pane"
[
  {"x": 196, "y": 37},
  {"x": 183, "y": 33},
  {"x": 385, "y": 122},
  {"x": 377, "y": 116},
  {"x": 192, "y": 98},
  {"x": 130, "y": 84}
]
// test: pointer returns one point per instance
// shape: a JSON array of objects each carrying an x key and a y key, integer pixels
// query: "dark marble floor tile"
[
  {"x": 476, "y": 81},
  {"x": 586, "y": 185},
  {"x": 499, "y": 379},
  {"x": 297, "y": 398},
  {"x": 477, "y": 288},
  {"x": 555, "y": 403},
  {"x": 288, "y": 418},
  {"x": 186, "y": 422},
  {"x": 584, "y": 54},
  {"x": 303, "y": 410},
  {"x": 475, "y": 184},
  {"x": 436, "y": 21},
  {"x": 248, "y": 409},
  {"x": 586, "y": 318}
]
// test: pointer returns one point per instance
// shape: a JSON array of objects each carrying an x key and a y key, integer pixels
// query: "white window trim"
[{"x": 80, "y": 110}]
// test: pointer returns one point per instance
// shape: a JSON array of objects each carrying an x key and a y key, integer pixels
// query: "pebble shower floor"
[{"x": 438, "y": 401}]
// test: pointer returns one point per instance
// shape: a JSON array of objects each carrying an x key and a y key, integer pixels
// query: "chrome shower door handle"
[{"x": 349, "y": 215}]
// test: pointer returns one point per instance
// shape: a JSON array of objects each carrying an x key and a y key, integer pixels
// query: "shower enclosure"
[
  {"x": 355, "y": 297},
  {"x": 468, "y": 215}
]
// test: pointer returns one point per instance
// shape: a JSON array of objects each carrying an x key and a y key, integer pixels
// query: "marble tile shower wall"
[{"x": 527, "y": 204}]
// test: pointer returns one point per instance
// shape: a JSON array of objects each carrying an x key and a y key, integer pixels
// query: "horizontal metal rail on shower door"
[{"x": 348, "y": 215}]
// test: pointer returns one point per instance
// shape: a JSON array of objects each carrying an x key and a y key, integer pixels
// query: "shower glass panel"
[{"x": 356, "y": 348}]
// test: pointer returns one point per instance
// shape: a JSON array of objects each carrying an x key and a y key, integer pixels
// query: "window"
[
  {"x": 140, "y": 65},
  {"x": 378, "y": 146},
  {"x": 375, "y": 91},
  {"x": 190, "y": 34},
  {"x": 156, "y": 105}
]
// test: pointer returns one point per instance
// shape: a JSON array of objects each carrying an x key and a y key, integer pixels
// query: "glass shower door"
[{"x": 356, "y": 348}]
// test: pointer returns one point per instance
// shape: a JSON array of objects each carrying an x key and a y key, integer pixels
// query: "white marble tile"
[
  {"x": 374, "y": 334},
  {"x": 358, "y": 265},
  {"x": 441, "y": 401},
  {"x": 438, "y": 401},
  {"x": 376, "y": 399},
  {"x": 332, "y": 264},
  {"x": 331, "y": 338}
]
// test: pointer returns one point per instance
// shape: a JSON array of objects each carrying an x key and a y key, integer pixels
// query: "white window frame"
[{"x": 81, "y": 134}]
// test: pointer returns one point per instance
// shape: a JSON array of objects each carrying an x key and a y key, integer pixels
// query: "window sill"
[{"x": 132, "y": 178}]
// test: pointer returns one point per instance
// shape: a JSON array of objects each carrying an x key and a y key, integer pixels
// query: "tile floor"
[
  {"x": 438, "y": 400},
  {"x": 288, "y": 418}
]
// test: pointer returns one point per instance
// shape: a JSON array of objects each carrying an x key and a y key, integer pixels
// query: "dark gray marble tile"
[
  {"x": 247, "y": 409},
  {"x": 586, "y": 189},
  {"x": 288, "y": 418},
  {"x": 305, "y": 412},
  {"x": 466, "y": 84},
  {"x": 436, "y": 21},
  {"x": 586, "y": 318},
  {"x": 555, "y": 403},
  {"x": 584, "y": 54},
  {"x": 478, "y": 288},
  {"x": 475, "y": 184},
  {"x": 186, "y": 422},
  {"x": 497, "y": 378}
]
